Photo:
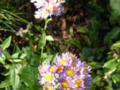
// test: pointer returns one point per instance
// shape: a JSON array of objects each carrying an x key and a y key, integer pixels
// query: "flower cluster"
[
  {"x": 47, "y": 8},
  {"x": 67, "y": 73}
]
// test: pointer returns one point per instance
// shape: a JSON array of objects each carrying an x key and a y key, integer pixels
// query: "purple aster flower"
[
  {"x": 48, "y": 87},
  {"x": 87, "y": 80},
  {"x": 43, "y": 68},
  {"x": 69, "y": 72},
  {"x": 66, "y": 73},
  {"x": 60, "y": 69},
  {"x": 64, "y": 60},
  {"x": 66, "y": 83},
  {"x": 47, "y": 78},
  {"x": 60, "y": 61},
  {"x": 78, "y": 82},
  {"x": 84, "y": 69},
  {"x": 47, "y": 8},
  {"x": 53, "y": 68}
]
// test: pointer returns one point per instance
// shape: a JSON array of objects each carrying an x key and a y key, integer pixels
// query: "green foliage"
[
  {"x": 4, "y": 46},
  {"x": 10, "y": 16},
  {"x": 112, "y": 65},
  {"x": 112, "y": 35},
  {"x": 6, "y": 43},
  {"x": 115, "y": 14},
  {"x": 10, "y": 21},
  {"x": 27, "y": 82}
]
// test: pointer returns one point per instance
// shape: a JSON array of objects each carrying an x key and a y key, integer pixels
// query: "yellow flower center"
[
  {"x": 52, "y": 69},
  {"x": 73, "y": 57},
  {"x": 70, "y": 72},
  {"x": 65, "y": 84},
  {"x": 63, "y": 61},
  {"x": 49, "y": 87},
  {"x": 84, "y": 69},
  {"x": 78, "y": 83},
  {"x": 55, "y": 9},
  {"x": 48, "y": 77},
  {"x": 74, "y": 64}
]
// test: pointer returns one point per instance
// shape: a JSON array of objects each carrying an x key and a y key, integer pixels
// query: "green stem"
[{"x": 43, "y": 38}]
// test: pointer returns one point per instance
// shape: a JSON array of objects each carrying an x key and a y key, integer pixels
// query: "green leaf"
[
  {"x": 49, "y": 38},
  {"x": 15, "y": 55},
  {"x": 93, "y": 32},
  {"x": 96, "y": 79},
  {"x": 16, "y": 60},
  {"x": 2, "y": 58},
  {"x": 111, "y": 64},
  {"x": 116, "y": 49},
  {"x": 47, "y": 58},
  {"x": 29, "y": 26},
  {"x": 111, "y": 36},
  {"x": 116, "y": 45},
  {"x": 23, "y": 55},
  {"x": 29, "y": 76},
  {"x": 14, "y": 76},
  {"x": 82, "y": 29},
  {"x": 5, "y": 83},
  {"x": 39, "y": 28},
  {"x": 73, "y": 43},
  {"x": 116, "y": 78},
  {"x": 25, "y": 72},
  {"x": 115, "y": 5},
  {"x": 6, "y": 43}
]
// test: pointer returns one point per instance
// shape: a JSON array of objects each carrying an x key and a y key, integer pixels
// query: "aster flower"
[
  {"x": 47, "y": 78},
  {"x": 53, "y": 68},
  {"x": 67, "y": 73},
  {"x": 64, "y": 60},
  {"x": 78, "y": 82},
  {"x": 43, "y": 68},
  {"x": 66, "y": 83},
  {"x": 48, "y": 87},
  {"x": 47, "y": 8},
  {"x": 87, "y": 80},
  {"x": 84, "y": 69},
  {"x": 60, "y": 69}
]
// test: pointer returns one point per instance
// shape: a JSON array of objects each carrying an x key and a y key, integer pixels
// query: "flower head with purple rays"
[
  {"x": 48, "y": 87},
  {"x": 47, "y": 8},
  {"x": 66, "y": 73},
  {"x": 43, "y": 68}
]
